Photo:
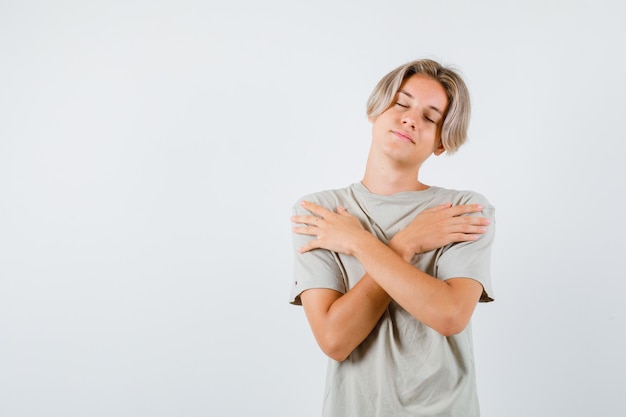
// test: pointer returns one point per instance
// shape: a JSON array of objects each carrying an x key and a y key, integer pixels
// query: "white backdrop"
[{"x": 150, "y": 153}]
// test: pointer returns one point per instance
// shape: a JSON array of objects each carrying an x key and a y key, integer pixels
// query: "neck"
[{"x": 386, "y": 179}]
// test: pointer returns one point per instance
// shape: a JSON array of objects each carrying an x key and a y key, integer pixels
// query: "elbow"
[
  {"x": 337, "y": 355},
  {"x": 334, "y": 349},
  {"x": 451, "y": 324},
  {"x": 450, "y": 330}
]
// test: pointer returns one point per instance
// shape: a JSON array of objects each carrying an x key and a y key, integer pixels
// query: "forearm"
[
  {"x": 432, "y": 301},
  {"x": 446, "y": 306},
  {"x": 352, "y": 316},
  {"x": 349, "y": 319}
]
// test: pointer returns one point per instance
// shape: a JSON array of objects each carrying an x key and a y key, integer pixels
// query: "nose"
[{"x": 409, "y": 122}]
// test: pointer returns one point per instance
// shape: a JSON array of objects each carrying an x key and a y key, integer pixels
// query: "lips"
[{"x": 403, "y": 136}]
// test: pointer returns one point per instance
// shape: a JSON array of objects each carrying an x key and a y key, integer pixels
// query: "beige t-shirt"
[{"x": 403, "y": 368}]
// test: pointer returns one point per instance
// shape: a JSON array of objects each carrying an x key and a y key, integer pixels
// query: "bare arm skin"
[{"x": 340, "y": 322}]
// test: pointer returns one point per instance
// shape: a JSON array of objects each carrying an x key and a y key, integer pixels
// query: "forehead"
[{"x": 426, "y": 90}]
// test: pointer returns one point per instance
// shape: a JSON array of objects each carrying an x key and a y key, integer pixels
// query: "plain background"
[{"x": 150, "y": 153}]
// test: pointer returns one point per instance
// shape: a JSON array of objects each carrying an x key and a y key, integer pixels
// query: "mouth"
[{"x": 403, "y": 136}]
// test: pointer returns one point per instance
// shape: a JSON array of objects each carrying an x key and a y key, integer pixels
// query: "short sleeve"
[
  {"x": 471, "y": 259},
  {"x": 319, "y": 268}
]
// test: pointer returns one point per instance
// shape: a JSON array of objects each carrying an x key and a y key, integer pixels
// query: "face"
[{"x": 409, "y": 131}]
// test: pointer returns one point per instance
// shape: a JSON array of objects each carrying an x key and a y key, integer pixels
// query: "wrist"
[
  {"x": 367, "y": 242},
  {"x": 401, "y": 247}
]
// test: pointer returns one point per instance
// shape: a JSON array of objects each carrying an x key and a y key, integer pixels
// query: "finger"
[
  {"x": 469, "y": 229},
  {"x": 465, "y": 209},
  {"x": 473, "y": 220},
  {"x": 305, "y": 219},
  {"x": 315, "y": 208},
  {"x": 305, "y": 230},
  {"x": 313, "y": 244},
  {"x": 465, "y": 237},
  {"x": 479, "y": 230},
  {"x": 305, "y": 248},
  {"x": 464, "y": 223}
]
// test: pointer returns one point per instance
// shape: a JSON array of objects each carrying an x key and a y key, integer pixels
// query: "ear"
[{"x": 439, "y": 149}]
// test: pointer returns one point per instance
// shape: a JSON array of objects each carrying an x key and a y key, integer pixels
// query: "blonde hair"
[{"x": 456, "y": 120}]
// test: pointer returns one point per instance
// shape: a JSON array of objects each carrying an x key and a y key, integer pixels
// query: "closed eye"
[{"x": 402, "y": 105}]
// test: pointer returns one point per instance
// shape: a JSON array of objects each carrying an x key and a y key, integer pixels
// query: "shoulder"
[
  {"x": 327, "y": 197},
  {"x": 463, "y": 197}
]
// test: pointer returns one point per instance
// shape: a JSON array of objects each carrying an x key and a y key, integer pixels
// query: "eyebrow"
[{"x": 431, "y": 107}]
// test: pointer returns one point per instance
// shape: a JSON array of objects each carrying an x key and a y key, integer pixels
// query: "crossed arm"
[{"x": 340, "y": 322}]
